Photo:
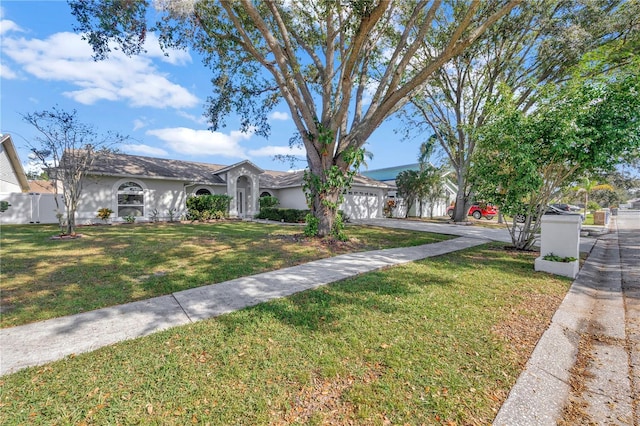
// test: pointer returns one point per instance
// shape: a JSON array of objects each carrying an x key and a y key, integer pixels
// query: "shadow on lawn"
[{"x": 323, "y": 309}]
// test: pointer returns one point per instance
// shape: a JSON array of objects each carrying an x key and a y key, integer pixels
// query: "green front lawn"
[
  {"x": 42, "y": 278},
  {"x": 439, "y": 341}
]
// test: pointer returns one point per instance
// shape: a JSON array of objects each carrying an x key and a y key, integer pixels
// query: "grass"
[
  {"x": 43, "y": 278},
  {"x": 588, "y": 220},
  {"x": 439, "y": 341}
]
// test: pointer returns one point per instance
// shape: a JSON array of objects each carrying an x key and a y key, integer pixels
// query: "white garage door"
[{"x": 361, "y": 204}]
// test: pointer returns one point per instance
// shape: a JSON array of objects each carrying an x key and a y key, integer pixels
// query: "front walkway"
[{"x": 51, "y": 340}]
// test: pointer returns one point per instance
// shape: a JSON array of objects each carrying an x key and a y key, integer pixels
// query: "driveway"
[{"x": 462, "y": 230}]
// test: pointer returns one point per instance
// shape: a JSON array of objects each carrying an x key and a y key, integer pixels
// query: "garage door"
[{"x": 361, "y": 204}]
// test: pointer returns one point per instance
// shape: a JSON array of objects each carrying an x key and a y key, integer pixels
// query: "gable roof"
[
  {"x": 125, "y": 165},
  {"x": 136, "y": 166},
  {"x": 293, "y": 179},
  {"x": 16, "y": 167},
  {"x": 245, "y": 163}
]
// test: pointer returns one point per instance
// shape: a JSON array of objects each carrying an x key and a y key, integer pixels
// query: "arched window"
[
  {"x": 265, "y": 194},
  {"x": 130, "y": 199},
  {"x": 203, "y": 191}
]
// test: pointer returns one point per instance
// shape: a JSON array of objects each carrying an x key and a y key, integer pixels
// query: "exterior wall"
[
  {"x": 8, "y": 179},
  {"x": 160, "y": 195},
  {"x": 214, "y": 189},
  {"x": 30, "y": 208},
  {"x": 292, "y": 198}
]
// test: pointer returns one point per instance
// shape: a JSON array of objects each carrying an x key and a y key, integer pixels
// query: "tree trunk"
[
  {"x": 324, "y": 198},
  {"x": 460, "y": 212}
]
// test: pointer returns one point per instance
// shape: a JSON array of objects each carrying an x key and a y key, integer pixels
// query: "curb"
[{"x": 592, "y": 309}]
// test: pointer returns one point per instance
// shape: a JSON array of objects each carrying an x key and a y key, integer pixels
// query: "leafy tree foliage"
[
  {"x": 409, "y": 187},
  {"x": 71, "y": 147},
  {"x": 342, "y": 67},
  {"x": 538, "y": 43},
  {"x": 424, "y": 184},
  {"x": 578, "y": 128}
]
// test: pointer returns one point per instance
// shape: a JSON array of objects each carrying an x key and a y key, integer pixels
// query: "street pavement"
[{"x": 602, "y": 307}]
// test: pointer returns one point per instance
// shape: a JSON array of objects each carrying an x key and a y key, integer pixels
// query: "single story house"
[
  {"x": 420, "y": 207},
  {"x": 147, "y": 187}
]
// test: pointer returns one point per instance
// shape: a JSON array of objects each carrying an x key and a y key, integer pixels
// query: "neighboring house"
[
  {"x": 28, "y": 204},
  {"x": 147, "y": 187},
  {"x": 388, "y": 175},
  {"x": 12, "y": 176}
]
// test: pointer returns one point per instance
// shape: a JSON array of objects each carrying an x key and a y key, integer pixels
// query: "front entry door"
[{"x": 240, "y": 202}]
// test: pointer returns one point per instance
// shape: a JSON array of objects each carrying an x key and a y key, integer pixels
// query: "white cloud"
[
  {"x": 146, "y": 150},
  {"x": 138, "y": 124},
  {"x": 66, "y": 57},
  {"x": 202, "y": 142},
  {"x": 7, "y": 25},
  {"x": 200, "y": 120},
  {"x": 277, "y": 115},
  {"x": 6, "y": 72},
  {"x": 171, "y": 56},
  {"x": 270, "y": 151}
]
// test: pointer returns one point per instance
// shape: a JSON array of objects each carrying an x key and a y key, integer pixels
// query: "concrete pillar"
[{"x": 560, "y": 236}]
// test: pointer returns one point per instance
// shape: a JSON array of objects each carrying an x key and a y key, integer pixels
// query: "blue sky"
[{"x": 157, "y": 100}]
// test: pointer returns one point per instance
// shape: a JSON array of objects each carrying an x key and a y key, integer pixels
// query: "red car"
[{"x": 478, "y": 211}]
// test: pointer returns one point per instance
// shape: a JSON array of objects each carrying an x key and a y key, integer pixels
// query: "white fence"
[{"x": 31, "y": 207}]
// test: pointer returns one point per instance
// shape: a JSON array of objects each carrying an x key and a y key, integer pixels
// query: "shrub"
[
  {"x": 338, "y": 227},
  {"x": 205, "y": 207},
  {"x": 592, "y": 206},
  {"x": 311, "y": 227},
  {"x": 172, "y": 214},
  {"x": 104, "y": 213},
  {"x": 282, "y": 215},
  {"x": 268, "y": 202}
]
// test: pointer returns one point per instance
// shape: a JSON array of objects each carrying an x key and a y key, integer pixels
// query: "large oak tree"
[{"x": 341, "y": 66}]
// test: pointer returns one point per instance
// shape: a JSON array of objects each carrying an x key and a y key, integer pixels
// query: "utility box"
[{"x": 560, "y": 237}]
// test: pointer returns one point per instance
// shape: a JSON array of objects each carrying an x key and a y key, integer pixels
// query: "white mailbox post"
[{"x": 560, "y": 236}]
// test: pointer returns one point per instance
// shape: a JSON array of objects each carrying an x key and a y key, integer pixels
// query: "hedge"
[{"x": 286, "y": 215}]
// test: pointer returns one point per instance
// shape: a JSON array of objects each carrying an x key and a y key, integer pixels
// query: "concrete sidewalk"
[
  {"x": 46, "y": 341},
  {"x": 598, "y": 322}
]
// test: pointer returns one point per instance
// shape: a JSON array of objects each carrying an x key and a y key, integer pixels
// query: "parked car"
[
  {"x": 556, "y": 208},
  {"x": 565, "y": 207},
  {"x": 477, "y": 210}
]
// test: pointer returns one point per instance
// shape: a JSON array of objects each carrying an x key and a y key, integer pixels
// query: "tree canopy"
[
  {"x": 538, "y": 43},
  {"x": 342, "y": 67},
  {"x": 583, "y": 126}
]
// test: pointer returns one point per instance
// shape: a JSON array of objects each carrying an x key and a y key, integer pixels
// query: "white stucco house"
[
  {"x": 420, "y": 207},
  {"x": 146, "y": 186}
]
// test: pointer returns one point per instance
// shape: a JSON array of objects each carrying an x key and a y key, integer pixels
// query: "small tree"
[
  {"x": 584, "y": 126},
  {"x": 433, "y": 188},
  {"x": 408, "y": 183},
  {"x": 72, "y": 147}
]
